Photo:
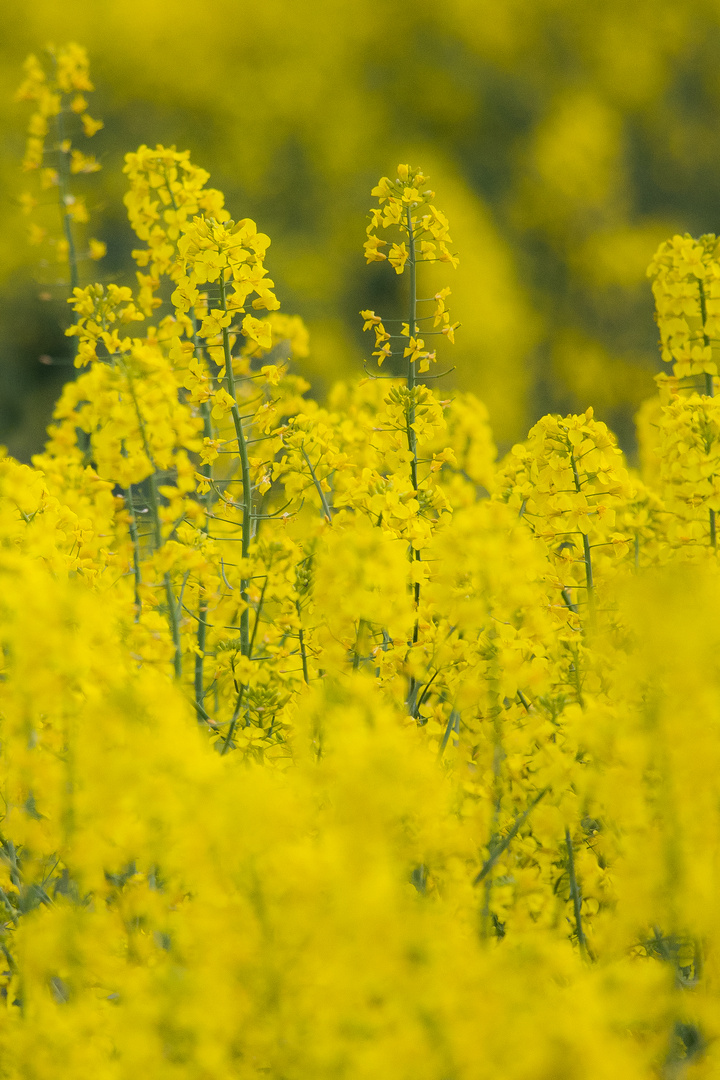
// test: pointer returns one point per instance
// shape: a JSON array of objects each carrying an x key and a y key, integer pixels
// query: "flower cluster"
[
  {"x": 99, "y": 315},
  {"x": 409, "y": 211},
  {"x": 686, "y": 285},
  {"x": 58, "y": 97},
  {"x": 568, "y": 481},
  {"x": 166, "y": 192},
  {"x": 404, "y": 205}
]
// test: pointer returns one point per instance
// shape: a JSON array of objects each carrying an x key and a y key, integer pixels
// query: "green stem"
[
  {"x": 233, "y": 721},
  {"x": 136, "y": 551},
  {"x": 498, "y": 758},
  {"x": 206, "y": 471},
  {"x": 174, "y": 621},
  {"x": 241, "y": 689},
  {"x": 453, "y": 724},
  {"x": 154, "y": 500},
  {"x": 358, "y": 643},
  {"x": 63, "y": 194},
  {"x": 710, "y": 392},
  {"x": 507, "y": 839},
  {"x": 412, "y": 328},
  {"x": 414, "y": 554},
  {"x": 709, "y": 384},
  {"x": 200, "y": 656},
  {"x": 245, "y": 470},
  {"x": 589, "y": 583},
  {"x": 303, "y": 650},
  {"x": 325, "y": 505},
  {"x": 575, "y": 894}
]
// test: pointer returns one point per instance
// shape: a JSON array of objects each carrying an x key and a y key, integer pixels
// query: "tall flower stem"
[
  {"x": 136, "y": 550},
  {"x": 575, "y": 894},
  {"x": 64, "y": 192},
  {"x": 710, "y": 392},
  {"x": 414, "y": 554},
  {"x": 412, "y": 327},
  {"x": 154, "y": 503},
  {"x": 587, "y": 558},
  {"x": 245, "y": 472},
  {"x": 206, "y": 470}
]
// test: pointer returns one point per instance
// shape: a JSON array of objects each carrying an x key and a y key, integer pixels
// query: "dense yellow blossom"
[{"x": 329, "y": 747}]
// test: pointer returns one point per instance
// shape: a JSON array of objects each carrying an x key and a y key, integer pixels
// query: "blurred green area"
[{"x": 565, "y": 140}]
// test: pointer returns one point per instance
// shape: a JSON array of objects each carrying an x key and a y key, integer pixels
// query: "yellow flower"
[
  {"x": 398, "y": 256},
  {"x": 214, "y": 322},
  {"x": 97, "y": 249},
  {"x": 83, "y": 163},
  {"x": 90, "y": 126},
  {"x": 372, "y": 249}
]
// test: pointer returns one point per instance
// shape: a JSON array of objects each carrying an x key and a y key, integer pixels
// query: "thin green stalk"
[
  {"x": 709, "y": 384},
  {"x": 453, "y": 724},
  {"x": 325, "y": 504},
  {"x": 494, "y": 710},
  {"x": 589, "y": 582},
  {"x": 63, "y": 197},
  {"x": 136, "y": 551},
  {"x": 245, "y": 470},
  {"x": 241, "y": 689},
  {"x": 233, "y": 721},
  {"x": 710, "y": 392},
  {"x": 575, "y": 667},
  {"x": 575, "y": 894},
  {"x": 414, "y": 554},
  {"x": 206, "y": 470},
  {"x": 200, "y": 656},
  {"x": 426, "y": 690},
  {"x": 358, "y": 643},
  {"x": 303, "y": 650},
  {"x": 174, "y": 626},
  {"x": 412, "y": 328},
  {"x": 504, "y": 844},
  {"x": 154, "y": 501}
]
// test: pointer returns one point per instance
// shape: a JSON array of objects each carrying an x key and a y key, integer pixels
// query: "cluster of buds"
[
  {"x": 406, "y": 208},
  {"x": 686, "y": 286},
  {"x": 99, "y": 315},
  {"x": 406, "y": 203}
]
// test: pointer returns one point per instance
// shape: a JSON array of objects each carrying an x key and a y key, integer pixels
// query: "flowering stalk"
[
  {"x": 206, "y": 471},
  {"x": 686, "y": 286},
  {"x": 64, "y": 198},
  {"x": 154, "y": 505},
  {"x": 137, "y": 576},
  {"x": 406, "y": 206},
  {"x": 710, "y": 392},
  {"x": 57, "y": 96},
  {"x": 587, "y": 558},
  {"x": 247, "y": 500},
  {"x": 575, "y": 893},
  {"x": 413, "y": 330}
]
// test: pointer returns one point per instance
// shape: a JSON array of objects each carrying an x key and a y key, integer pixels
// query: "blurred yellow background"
[{"x": 564, "y": 139}]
